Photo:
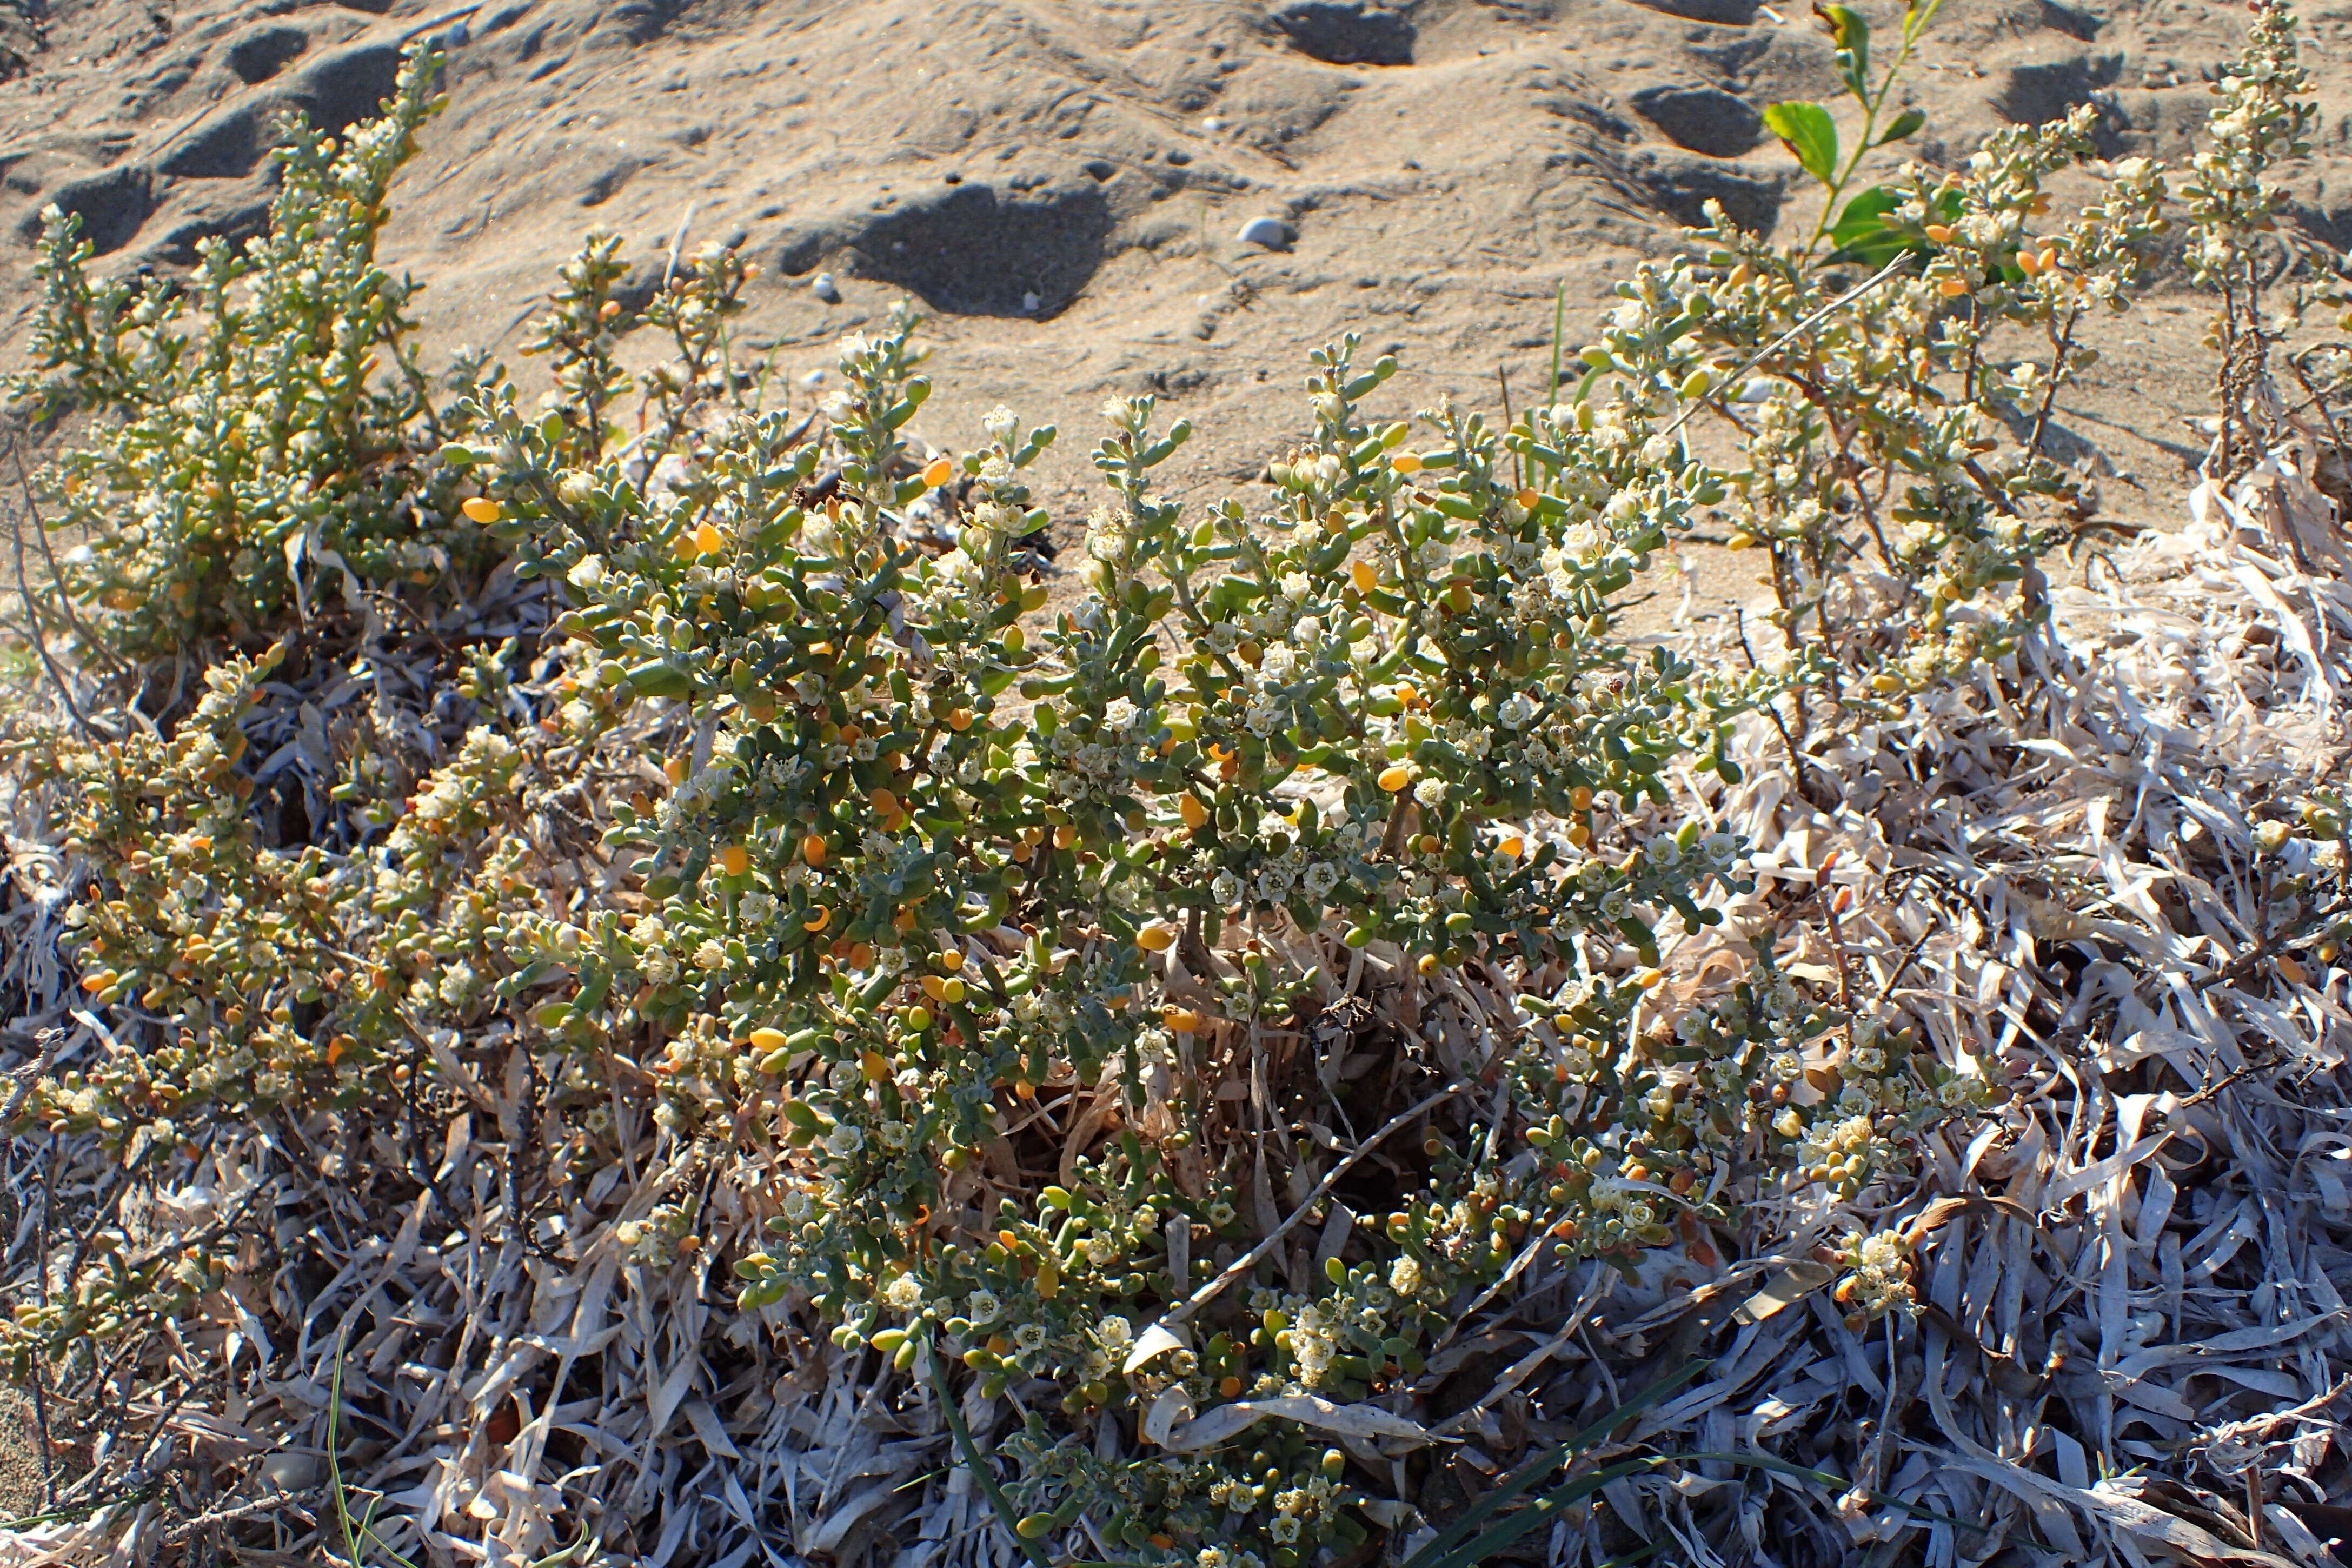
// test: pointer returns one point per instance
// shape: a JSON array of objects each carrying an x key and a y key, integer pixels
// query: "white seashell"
[{"x": 1269, "y": 232}]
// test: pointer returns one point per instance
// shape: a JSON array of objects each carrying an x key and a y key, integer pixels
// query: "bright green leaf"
[
  {"x": 1862, "y": 233},
  {"x": 1807, "y": 130},
  {"x": 1851, "y": 33},
  {"x": 1906, "y": 123}
]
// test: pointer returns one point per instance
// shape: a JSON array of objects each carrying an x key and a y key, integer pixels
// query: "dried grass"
[{"x": 2131, "y": 1346}]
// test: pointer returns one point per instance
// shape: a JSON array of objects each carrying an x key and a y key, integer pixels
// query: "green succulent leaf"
[
  {"x": 1807, "y": 131},
  {"x": 1851, "y": 33},
  {"x": 1905, "y": 124}
]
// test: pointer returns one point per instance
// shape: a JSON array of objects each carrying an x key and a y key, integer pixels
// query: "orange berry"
[
  {"x": 482, "y": 509},
  {"x": 812, "y": 849},
  {"x": 734, "y": 859},
  {"x": 936, "y": 472}
]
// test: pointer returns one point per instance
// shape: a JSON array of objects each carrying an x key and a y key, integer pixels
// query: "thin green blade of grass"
[{"x": 1533, "y": 1470}]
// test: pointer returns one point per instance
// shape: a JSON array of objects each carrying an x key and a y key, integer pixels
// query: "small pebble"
[
  {"x": 822, "y": 285},
  {"x": 1270, "y": 232},
  {"x": 1213, "y": 126},
  {"x": 1030, "y": 302},
  {"x": 813, "y": 378}
]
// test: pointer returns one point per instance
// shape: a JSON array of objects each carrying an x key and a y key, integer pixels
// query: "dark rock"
[
  {"x": 229, "y": 210},
  {"x": 112, "y": 205},
  {"x": 1681, "y": 189},
  {"x": 333, "y": 93},
  {"x": 2073, "y": 22},
  {"x": 2037, "y": 94},
  {"x": 968, "y": 249},
  {"x": 262, "y": 54},
  {"x": 228, "y": 144},
  {"x": 1723, "y": 13},
  {"x": 1346, "y": 32},
  {"x": 346, "y": 86},
  {"x": 1702, "y": 119}
]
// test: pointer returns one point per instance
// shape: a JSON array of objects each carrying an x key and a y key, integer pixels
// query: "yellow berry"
[
  {"x": 482, "y": 509},
  {"x": 1395, "y": 778}
]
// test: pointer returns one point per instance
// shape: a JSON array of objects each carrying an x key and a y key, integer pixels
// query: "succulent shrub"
[
  {"x": 2264, "y": 120},
  {"x": 1892, "y": 465},
  {"x": 1041, "y": 986},
  {"x": 257, "y": 450}
]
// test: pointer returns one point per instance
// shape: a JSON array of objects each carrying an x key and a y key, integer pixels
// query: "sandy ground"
[{"x": 1063, "y": 183}]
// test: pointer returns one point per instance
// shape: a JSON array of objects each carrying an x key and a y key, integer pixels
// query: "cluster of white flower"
[{"x": 1879, "y": 1277}]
